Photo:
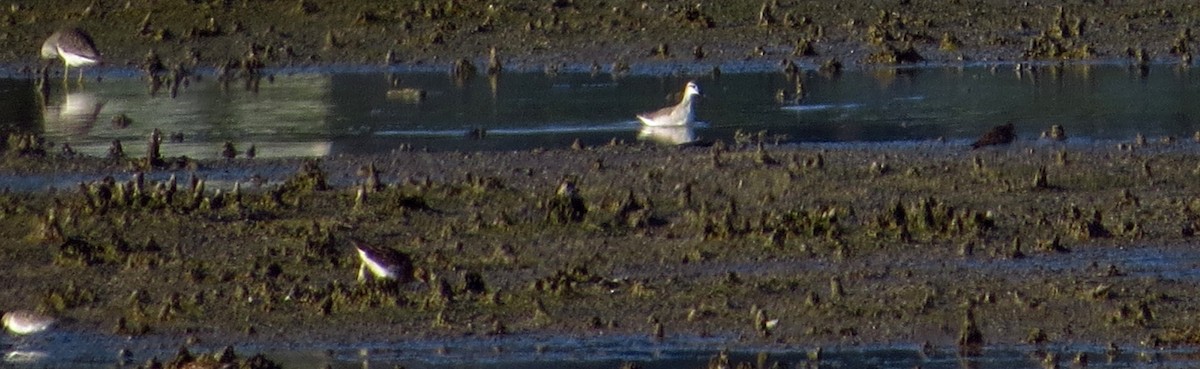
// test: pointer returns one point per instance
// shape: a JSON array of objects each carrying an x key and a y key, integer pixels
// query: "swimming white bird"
[
  {"x": 74, "y": 46},
  {"x": 680, "y": 114},
  {"x": 27, "y": 322},
  {"x": 384, "y": 263}
]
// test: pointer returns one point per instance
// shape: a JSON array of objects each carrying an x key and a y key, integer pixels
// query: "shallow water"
[
  {"x": 327, "y": 114},
  {"x": 310, "y": 113},
  {"x": 72, "y": 350}
]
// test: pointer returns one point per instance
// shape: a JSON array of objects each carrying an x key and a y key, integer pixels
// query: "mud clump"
[
  {"x": 537, "y": 33},
  {"x": 576, "y": 241}
]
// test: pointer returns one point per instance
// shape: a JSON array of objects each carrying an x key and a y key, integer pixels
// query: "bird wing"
[
  {"x": 661, "y": 117},
  {"x": 81, "y": 44},
  {"x": 656, "y": 114}
]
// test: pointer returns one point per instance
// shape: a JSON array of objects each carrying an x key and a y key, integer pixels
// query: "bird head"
[
  {"x": 692, "y": 89},
  {"x": 49, "y": 51}
]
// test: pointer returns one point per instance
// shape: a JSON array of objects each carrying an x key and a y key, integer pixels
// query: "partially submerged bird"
[
  {"x": 74, "y": 46},
  {"x": 668, "y": 135},
  {"x": 384, "y": 263},
  {"x": 999, "y": 135},
  {"x": 680, "y": 114},
  {"x": 27, "y": 322}
]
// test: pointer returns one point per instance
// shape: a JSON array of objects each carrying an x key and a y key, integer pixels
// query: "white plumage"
[
  {"x": 27, "y": 322},
  {"x": 383, "y": 263},
  {"x": 681, "y": 114}
]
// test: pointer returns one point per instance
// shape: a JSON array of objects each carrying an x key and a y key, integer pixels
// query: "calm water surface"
[
  {"x": 320, "y": 114},
  {"x": 67, "y": 350},
  {"x": 315, "y": 114}
]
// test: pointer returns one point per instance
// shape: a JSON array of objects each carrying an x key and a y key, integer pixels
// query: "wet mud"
[
  {"x": 743, "y": 239},
  {"x": 1034, "y": 242},
  {"x": 548, "y": 35}
]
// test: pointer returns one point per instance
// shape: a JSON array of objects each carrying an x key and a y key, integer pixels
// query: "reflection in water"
[
  {"x": 24, "y": 356},
  {"x": 26, "y": 349},
  {"x": 668, "y": 135},
  {"x": 815, "y": 107},
  {"x": 350, "y": 113},
  {"x": 74, "y": 115},
  {"x": 97, "y": 350},
  {"x": 285, "y": 119}
]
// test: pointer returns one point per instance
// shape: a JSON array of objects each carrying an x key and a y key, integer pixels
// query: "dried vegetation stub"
[
  {"x": 516, "y": 242},
  {"x": 233, "y": 36}
]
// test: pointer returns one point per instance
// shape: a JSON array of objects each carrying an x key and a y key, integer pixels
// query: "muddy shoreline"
[
  {"x": 1041, "y": 243},
  {"x": 853, "y": 246},
  {"x": 607, "y": 35}
]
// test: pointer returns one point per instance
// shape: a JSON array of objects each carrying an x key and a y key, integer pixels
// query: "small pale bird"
[
  {"x": 27, "y": 322},
  {"x": 680, "y": 114},
  {"x": 74, "y": 46},
  {"x": 383, "y": 262}
]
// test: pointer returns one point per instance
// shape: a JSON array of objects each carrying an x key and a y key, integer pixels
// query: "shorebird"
[
  {"x": 678, "y": 115},
  {"x": 384, "y": 263},
  {"x": 74, "y": 47},
  {"x": 26, "y": 322},
  {"x": 999, "y": 135}
]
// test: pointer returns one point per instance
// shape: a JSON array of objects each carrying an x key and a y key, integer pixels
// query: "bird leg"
[
  {"x": 362, "y": 272},
  {"x": 43, "y": 86}
]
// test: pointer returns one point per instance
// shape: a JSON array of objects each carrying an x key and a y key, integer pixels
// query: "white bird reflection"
[
  {"x": 75, "y": 115},
  {"x": 290, "y": 117},
  {"x": 24, "y": 356},
  {"x": 676, "y": 135}
]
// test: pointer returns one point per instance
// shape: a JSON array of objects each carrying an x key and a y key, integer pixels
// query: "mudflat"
[
  {"x": 609, "y": 34},
  {"x": 1030, "y": 242},
  {"x": 1039, "y": 241}
]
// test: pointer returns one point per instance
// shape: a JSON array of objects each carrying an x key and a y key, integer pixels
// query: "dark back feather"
[
  {"x": 999, "y": 135},
  {"x": 392, "y": 259}
]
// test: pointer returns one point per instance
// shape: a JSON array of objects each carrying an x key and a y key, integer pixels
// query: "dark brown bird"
[{"x": 999, "y": 135}]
